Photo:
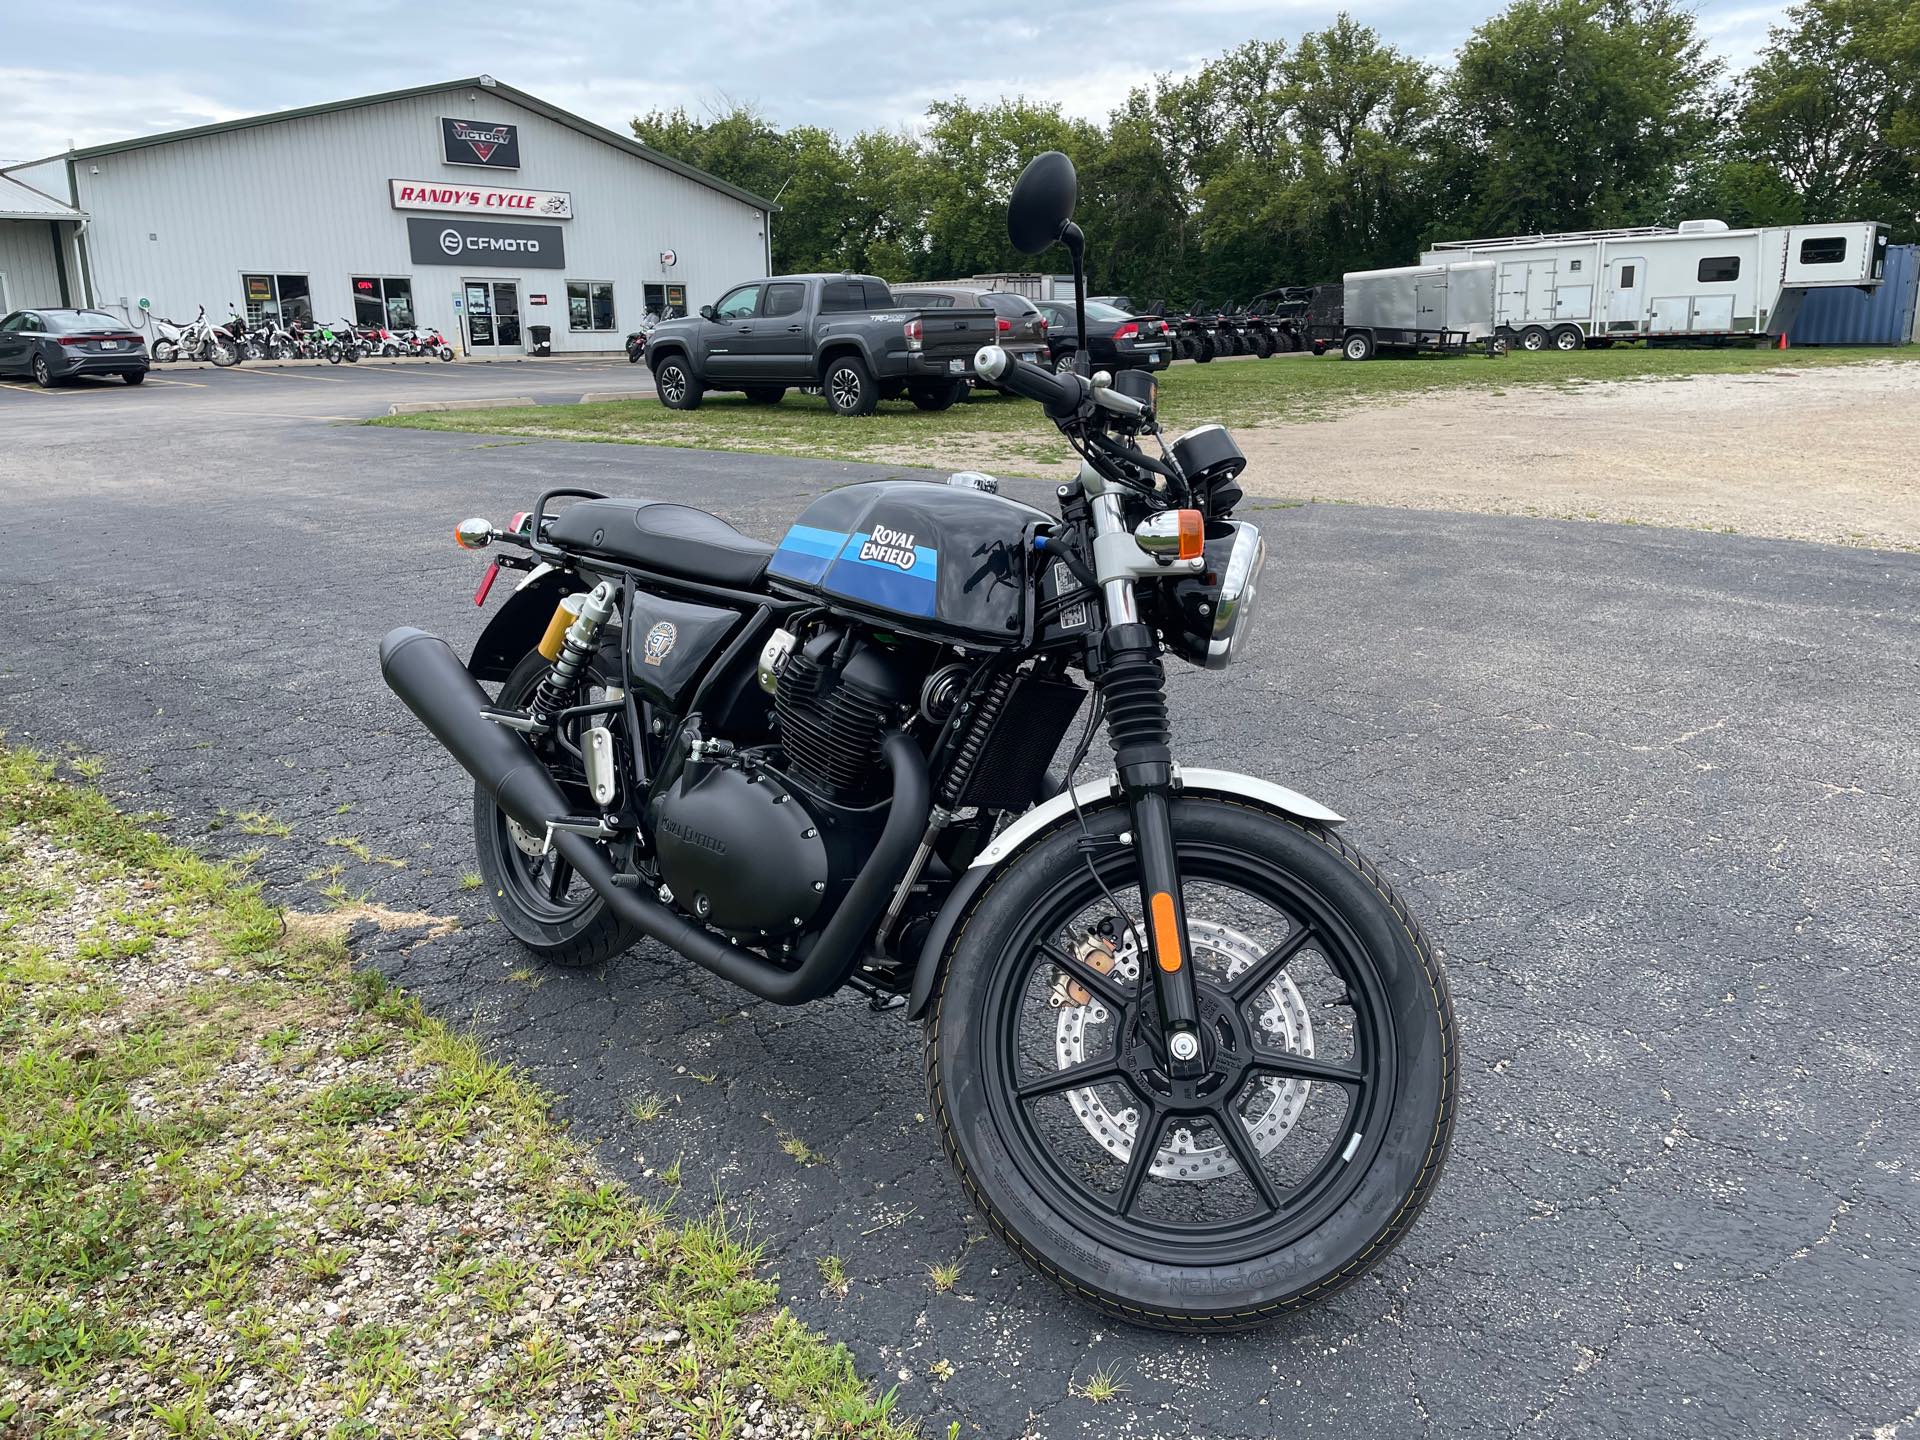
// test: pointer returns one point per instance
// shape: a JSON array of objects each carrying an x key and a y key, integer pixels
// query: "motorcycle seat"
[{"x": 656, "y": 535}]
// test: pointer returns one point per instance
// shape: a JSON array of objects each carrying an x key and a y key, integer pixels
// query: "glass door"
[
  {"x": 506, "y": 314},
  {"x": 479, "y": 315}
]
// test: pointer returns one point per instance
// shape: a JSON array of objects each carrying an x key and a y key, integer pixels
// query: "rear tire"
[
  {"x": 134, "y": 377},
  {"x": 577, "y": 930},
  {"x": 674, "y": 382},
  {"x": 1358, "y": 346},
  {"x": 43, "y": 375},
  {"x": 765, "y": 394},
  {"x": 1203, "y": 351},
  {"x": 1568, "y": 338},
  {"x": 1037, "y": 1179},
  {"x": 943, "y": 396},
  {"x": 1533, "y": 338},
  {"x": 849, "y": 386}
]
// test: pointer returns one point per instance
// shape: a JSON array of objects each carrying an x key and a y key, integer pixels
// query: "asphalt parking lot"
[
  {"x": 264, "y": 392},
  {"x": 1652, "y": 791}
]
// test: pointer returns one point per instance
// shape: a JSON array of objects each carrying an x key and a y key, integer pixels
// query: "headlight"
[{"x": 1207, "y": 618}]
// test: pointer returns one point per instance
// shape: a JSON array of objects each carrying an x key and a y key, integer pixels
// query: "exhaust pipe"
[{"x": 425, "y": 673}]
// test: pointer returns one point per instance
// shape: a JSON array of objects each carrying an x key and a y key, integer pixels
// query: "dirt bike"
[{"x": 1190, "y": 1054}]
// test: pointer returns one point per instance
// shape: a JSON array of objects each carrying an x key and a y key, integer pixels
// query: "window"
[
  {"x": 738, "y": 304},
  {"x": 784, "y": 300},
  {"x": 589, "y": 305},
  {"x": 383, "y": 302},
  {"x": 276, "y": 297},
  {"x": 925, "y": 299},
  {"x": 74, "y": 322},
  {"x": 13, "y": 322},
  {"x": 1626, "y": 277},
  {"x": 839, "y": 295},
  {"x": 1718, "y": 269},
  {"x": 676, "y": 301},
  {"x": 1014, "y": 307},
  {"x": 1823, "y": 250},
  {"x": 878, "y": 295}
]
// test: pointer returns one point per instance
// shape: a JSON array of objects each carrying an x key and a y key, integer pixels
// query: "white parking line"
[{"x": 286, "y": 375}]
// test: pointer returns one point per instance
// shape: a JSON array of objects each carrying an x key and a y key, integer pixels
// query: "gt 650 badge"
[{"x": 660, "y": 640}]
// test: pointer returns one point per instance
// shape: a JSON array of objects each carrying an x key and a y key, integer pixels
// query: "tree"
[
  {"x": 1832, "y": 112},
  {"x": 1576, "y": 114}
]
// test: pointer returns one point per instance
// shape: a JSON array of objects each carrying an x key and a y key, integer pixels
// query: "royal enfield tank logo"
[
  {"x": 660, "y": 642},
  {"x": 480, "y": 142},
  {"x": 889, "y": 547}
]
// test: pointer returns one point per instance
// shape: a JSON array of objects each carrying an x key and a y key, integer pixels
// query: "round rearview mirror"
[{"x": 1042, "y": 202}]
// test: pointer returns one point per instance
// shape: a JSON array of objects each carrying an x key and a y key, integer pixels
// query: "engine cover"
[{"x": 742, "y": 854}]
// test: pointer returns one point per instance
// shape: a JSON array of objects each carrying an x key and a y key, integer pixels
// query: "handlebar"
[{"x": 1060, "y": 394}]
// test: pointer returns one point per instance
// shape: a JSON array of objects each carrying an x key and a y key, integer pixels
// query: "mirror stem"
[{"x": 1075, "y": 240}]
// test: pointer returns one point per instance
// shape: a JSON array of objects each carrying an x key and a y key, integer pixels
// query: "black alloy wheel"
[
  {"x": 1300, "y": 1155},
  {"x": 536, "y": 894},
  {"x": 43, "y": 373},
  {"x": 677, "y": 388}
]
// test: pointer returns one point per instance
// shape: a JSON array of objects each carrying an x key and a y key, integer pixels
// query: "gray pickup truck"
[{"x": 840, "y": 333}]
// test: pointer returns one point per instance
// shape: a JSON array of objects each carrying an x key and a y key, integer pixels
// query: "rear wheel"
[
  {"x": 765, "y": 394},
  {"x": 43, "y": 373},
  {"x": 1568, "y": 337},
  {"x": 677, "y": 388},
  {"x": 538, "y": 897},
  {"x": 942, "y": 396},
  {"x": 1533, "y": 338},
  {"x": 134, "y": 377},
  {"x": 849, "y": 386},
  {"x": 1358, "y": 346},
  {"x": 1301, "y": 1156}
]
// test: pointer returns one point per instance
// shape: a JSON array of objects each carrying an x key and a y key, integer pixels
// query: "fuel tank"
[{"x": 921, "y": 558}]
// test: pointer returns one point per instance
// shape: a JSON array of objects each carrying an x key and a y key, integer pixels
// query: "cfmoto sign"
[{"x": 486, "y": 244}]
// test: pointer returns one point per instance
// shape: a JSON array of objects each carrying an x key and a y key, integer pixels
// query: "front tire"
[
  {"x": 542, "y": 903},
  {"x": 1181, "y": 1236},
  {"x": 675, "y": 385}
]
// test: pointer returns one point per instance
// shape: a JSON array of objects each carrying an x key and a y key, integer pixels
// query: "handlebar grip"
[{"x": 1060, "y": 394}]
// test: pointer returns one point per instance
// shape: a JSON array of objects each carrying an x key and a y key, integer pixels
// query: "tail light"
[
  {"x": 1127, "y": 331},
  {"x": 1045, "y": 324},
  {"x": 1004, "y": 324},
  {"x": 913, "y": 334}
]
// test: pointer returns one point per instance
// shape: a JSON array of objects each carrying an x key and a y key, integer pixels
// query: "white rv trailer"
[{"x": 1647, "y": 282}]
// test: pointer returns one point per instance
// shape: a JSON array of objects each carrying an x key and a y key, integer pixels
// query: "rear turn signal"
[{"x": 474, "y": 534}]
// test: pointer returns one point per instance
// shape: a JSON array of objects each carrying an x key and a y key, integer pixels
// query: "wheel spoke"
[
  {"x": 1100, "y": 983},
  {"x": 1074, "y": 1077},
  {"x": 1305, "y": 1067},
  {"x": 1233, "y": 1130},
  {"x": 558, "y": 879},
  {"x": 1257, "y": 976},
  {"x": 1146, "y": 1145}
]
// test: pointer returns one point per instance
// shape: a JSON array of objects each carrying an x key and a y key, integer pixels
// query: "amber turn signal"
[
  {"x": 1173, "y": 535},
  {"x": 1166, "y": 929},
  {"x": 474, "y": 534}
]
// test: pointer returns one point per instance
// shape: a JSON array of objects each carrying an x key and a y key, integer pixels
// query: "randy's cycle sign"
[
  {"x": 486, "y": 243},
  {"x": 480, "y": 142},
  {"x": 481, "y": 199}
]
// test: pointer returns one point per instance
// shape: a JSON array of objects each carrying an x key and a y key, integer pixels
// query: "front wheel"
[
  {"x": 225, "y": 353},
  {"x": 1302, "y": 1154},
  {"x": 164, "y": 352}
]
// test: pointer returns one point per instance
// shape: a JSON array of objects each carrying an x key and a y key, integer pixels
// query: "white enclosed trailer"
[
  {"x": 1700, "y": 280},
  {"x": 1409, "y": 308}
]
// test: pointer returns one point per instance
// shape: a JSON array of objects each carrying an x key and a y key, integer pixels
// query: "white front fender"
[{"x": 1187, "y": 782}]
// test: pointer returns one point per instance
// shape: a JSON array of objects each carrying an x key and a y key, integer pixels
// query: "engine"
[
  {"x": 835, "y": 697},
  {"x": 759, "y": 845}
]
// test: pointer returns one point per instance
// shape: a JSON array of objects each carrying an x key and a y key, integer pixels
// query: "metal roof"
[
  {"x": 476, "y": 82},
  {"x": 23, "y": 202}
]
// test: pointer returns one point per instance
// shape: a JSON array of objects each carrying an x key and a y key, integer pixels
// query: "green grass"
[
  {"x": 161, "y": 1207},
  {"x": 1012, "y": 435}
]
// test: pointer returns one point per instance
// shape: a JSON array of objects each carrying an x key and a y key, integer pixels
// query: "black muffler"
[{"x": 425, "y": 673}]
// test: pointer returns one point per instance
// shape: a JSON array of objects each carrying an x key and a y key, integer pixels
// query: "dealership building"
[{"x": 467, "y": 206}]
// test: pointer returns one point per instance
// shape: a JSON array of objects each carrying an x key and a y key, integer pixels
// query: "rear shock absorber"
[{"x": 563, "y": 678}]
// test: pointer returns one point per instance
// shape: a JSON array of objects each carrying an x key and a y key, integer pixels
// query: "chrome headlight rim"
[{"x": 1238, "y": 598}]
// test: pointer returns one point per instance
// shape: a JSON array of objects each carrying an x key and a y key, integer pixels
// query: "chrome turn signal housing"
[
  {"x": 474, "y": 534},
  {"x": 1173, "y": 535}
]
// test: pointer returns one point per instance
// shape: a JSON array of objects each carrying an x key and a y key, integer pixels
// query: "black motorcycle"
[{"x": 1189, "y": 1053}]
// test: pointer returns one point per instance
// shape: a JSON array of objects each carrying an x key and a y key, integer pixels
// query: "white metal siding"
[
  {"x": 26, "y": 259},
  {"x": 179, "y": 223}
]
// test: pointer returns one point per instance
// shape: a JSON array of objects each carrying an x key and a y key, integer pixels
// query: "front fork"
[{"x": 1132, "y": 686}]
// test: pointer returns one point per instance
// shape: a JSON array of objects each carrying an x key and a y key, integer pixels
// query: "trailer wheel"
[
  {"x": 1568, "y": 337},
  {"x": 1533, "y": 338},
  {"x": 1358, "y": 346}
]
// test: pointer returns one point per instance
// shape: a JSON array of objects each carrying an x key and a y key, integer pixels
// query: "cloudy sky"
[{"x": 133, "y": 67}]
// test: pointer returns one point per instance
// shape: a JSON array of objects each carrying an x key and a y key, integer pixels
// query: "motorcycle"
[
  {"x": 199, "y": 339},
  {"x": 1190, "y": 1054}
]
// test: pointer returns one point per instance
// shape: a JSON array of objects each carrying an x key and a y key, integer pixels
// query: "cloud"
[{"x": 45, "y": 111}]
